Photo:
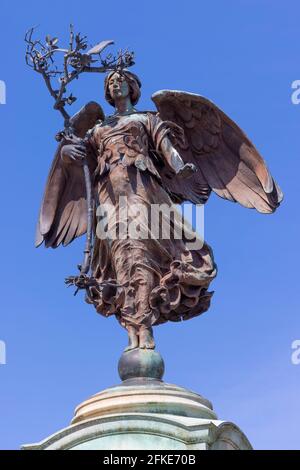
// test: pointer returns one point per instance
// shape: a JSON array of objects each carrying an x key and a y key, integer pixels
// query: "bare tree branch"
[{"x": 41, "y": 57}]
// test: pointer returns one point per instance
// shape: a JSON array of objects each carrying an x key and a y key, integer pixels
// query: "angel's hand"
[
  {"x": 73, "y": 153},
  {"x": 68, "y": 136},
  {"x": 71, "y": 138},
  {"x": 187, "y": 170}
]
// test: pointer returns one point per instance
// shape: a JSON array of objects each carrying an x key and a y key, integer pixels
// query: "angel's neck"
[{"x": 123, "y": 105}]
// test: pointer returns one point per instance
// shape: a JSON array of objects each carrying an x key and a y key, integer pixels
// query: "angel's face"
[{"x": 118, "y": 86}]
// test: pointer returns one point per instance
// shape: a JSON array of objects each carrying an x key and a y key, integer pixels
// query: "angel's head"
[{"x": 122, "y": 85}]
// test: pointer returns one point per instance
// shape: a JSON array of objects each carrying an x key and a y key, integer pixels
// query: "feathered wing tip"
[
  {"x": 226, "y": 160},
  {"x": 275, "y": 197},
  {"x": 63, "y": 210},
  {"x": 38, "y": 236}
]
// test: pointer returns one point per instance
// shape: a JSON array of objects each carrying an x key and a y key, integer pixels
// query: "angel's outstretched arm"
[
  {"x": 160, "y": 131},
  {"x": 174, "y": 160}
]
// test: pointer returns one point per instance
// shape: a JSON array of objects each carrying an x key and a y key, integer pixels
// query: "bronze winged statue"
[{"x": 181, "y": 152}]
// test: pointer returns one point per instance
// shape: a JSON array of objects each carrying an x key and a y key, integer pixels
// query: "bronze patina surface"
[{"x": 182, "y": 151}]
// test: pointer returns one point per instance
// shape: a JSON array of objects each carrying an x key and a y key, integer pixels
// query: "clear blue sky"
[{"x": 243, "y": 55}]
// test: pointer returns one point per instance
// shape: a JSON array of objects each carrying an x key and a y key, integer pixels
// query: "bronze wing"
[
  {"x": 63, "y": 213},
  {"x": 226, "y": 160}
]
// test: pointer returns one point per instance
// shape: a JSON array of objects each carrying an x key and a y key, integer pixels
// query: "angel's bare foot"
[
  {"x": 133, "y": 339},
  {"x": 186, "y": 170},
  {"x": 146, "y": 338}
]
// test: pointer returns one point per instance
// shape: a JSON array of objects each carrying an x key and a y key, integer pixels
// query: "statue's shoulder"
[
  {"x": 142, "y": 116},
  {"x": 145, "y": 116},
  {"x": 147, "y": 113},
  {"x": 91, "y": 132}
]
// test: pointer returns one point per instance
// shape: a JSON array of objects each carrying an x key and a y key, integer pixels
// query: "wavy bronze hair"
[{"x": 134, "y": 84}]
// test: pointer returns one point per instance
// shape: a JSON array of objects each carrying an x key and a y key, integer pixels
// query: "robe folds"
[{"x": 148, "y": 278}]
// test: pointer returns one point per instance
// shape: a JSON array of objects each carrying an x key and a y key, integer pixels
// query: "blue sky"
[{"x": 243, "y": 55}]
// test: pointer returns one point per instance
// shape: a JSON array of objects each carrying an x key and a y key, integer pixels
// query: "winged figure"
[{"x": 183, "y": 151}]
